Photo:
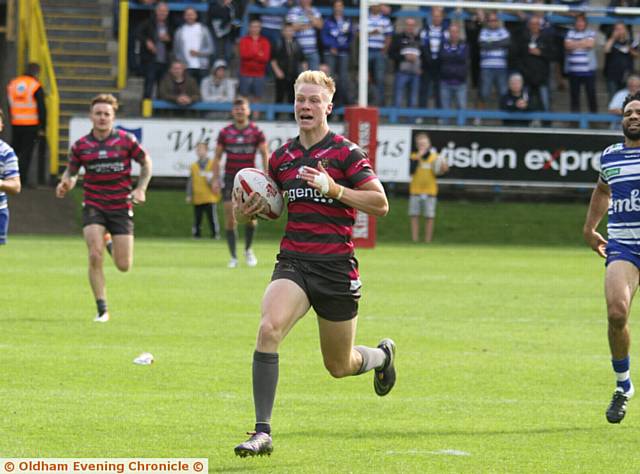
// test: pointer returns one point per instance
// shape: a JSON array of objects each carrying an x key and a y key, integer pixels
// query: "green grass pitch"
[{"x": 502, "y": 362}]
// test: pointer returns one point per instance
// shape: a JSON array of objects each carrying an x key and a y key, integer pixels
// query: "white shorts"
[{"x": 422, "y": 205}]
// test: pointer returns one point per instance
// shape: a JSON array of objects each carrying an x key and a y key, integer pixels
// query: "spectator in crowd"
[
  {"x": 533, "y": 52},
  {"x": 28, "y": 116},
  {"x": 272, "y": 24},
  {"x": 200, "y": 193},
  {"x": 193, "y": 45},
  {"x": 380, "y": 34},
  {"x": 432, "y": 36},
  {"x": 424, "y": 166},
  {"x": 472, "y": 27},
  {"x": 287, "y": 62},
  {"x": 217, "y": 87},
  {"x": 337, "y": 36},
  {"x": 580, "y": 63},
  {"x": 454, "y": 67},
  {"x": 307, "y": 21},
  {"x": 494, "y": 41},
  {"x": 255, "y": 53},
  {"x": 406, "y": 50},
  {"x": 155, "y": 38},
  {"x": 516, "y": 99},
  {"x": 618, "y": 60},
  {"x": 615, "y": 105},
  {"x": 178, "y": 87},
  {"x": 223, "y": 18}
]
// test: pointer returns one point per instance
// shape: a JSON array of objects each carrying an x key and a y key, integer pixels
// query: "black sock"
[
  {"x": 231, "y": 242},
  {"x": 248, "y": 236},
  {"x": 102, "y": 306},
  {"x": 265, "y": 381}
]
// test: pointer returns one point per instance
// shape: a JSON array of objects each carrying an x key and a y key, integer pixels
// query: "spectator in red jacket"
[{"x": 255, "y": 53}]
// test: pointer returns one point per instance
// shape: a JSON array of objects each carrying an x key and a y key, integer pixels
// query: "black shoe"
[
  {"x": 258, "y": 445},
  {"x": 384, "y": 378},
  {"x": 618, "y": 407}
]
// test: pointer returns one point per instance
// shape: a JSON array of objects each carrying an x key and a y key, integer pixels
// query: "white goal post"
[{"x": 363, "y": 52}]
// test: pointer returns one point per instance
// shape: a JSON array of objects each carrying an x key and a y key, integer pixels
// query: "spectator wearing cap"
[
  {"x": 217, "y": 87},
  {"x": 178, "y": 87},
  {"x": 337, "y": 36},
  {"x": 193, "y": 45},
  {"x": 287, "y": 62},
  {"x": 307, "y": 21},
  {"x": 581, "y": 63},
  {"x": 255, "y": 53}
]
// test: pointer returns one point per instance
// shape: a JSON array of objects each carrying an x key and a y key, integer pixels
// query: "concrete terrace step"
[
  {"x": 77, "y": 68},
  {"x": 104, "y": 81},
  {"x": 84, "y": 93},
  {"x": 91, "y": 57},
  {"x": 78, "y": 44},
  {"x": 71, "y": 32},
  {"x": 72, "y": 19}
]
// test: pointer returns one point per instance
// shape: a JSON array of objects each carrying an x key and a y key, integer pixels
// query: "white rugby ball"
[{"x": 253, "y": 180}]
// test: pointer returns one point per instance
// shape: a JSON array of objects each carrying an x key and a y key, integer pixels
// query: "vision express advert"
[{"x": 548, "y": 157}]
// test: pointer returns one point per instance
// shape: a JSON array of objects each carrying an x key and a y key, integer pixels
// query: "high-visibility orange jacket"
[{"x": 23, "y": 105}]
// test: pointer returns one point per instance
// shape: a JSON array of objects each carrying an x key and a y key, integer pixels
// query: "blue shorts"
[
  {"x": 4, "y": 225},
  {"x": 251, "y": 86},
  {"x": 616, "y": 251}
]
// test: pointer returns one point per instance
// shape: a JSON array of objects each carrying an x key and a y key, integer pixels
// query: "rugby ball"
[{"x": 252, "y": 180}]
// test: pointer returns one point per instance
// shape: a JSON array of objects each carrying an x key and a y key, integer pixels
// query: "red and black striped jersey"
[
  {"x": 240, "y": 146},
  {"x": 107, "y": 164},
  {"x": 318, "y": 227}
]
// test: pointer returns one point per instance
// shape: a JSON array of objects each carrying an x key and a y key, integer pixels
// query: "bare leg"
[
  {"x": 336, "y": 343},
  {"x": 94, "y": 237},
  {"x": 123, "y": 252},
  {"x": 621, "y": 283},
  {"x": 414, "y": 228},
  {"x": 428, "y": 229}
]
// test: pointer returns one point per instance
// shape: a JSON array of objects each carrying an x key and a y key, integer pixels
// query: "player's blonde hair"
[
  {"x": 105, "y": 99},
  {"x": 319, "y": 78}
]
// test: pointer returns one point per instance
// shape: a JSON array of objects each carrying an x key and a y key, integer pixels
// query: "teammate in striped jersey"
[
  {"x": 9, "y": 182},
  {"x": 239, "y": 141},
  {"x": 106, "y": 154},
  {"x": 618, "y": 192},
  {"x": 326, "y": 178}
]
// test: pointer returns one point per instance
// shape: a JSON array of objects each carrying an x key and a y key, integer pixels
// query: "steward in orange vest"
[{"x": 28, "y": 115}]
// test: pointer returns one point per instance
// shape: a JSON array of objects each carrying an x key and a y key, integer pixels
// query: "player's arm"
[
  {"x": 139, "y": 194},
  {"x": 67, "y": 182},
  {"x": 598, "y": 206},
  {"x": 11, "y": 185},
  {"x": 215, "y": 179},
  {"x": 246, "y": 211},
  {"x": 369, "y": 197}
]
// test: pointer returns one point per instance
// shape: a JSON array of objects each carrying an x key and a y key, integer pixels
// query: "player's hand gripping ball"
[{"x": 250, "y": 180}]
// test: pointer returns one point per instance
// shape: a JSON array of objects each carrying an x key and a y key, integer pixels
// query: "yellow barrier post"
[
  {"x": 123, "y": 44},
  {"x": 23, "y": 11}
]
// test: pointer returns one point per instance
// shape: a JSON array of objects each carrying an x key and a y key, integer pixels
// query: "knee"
[
  {"x": 123, "y": 264},
  {"x": 269, "y": 333},
  {"x": 617, "y": 315},
  {"x": 95, "y": 258},
  {"x": 337, "y": 369}
]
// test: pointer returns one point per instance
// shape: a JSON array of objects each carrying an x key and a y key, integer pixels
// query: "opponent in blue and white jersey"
[
  {"x": 618, "y": 190},
  {"x": 620, "y": 170},
  {"x": 9, "y": 179},
  {"x": 8, "y": 169}
]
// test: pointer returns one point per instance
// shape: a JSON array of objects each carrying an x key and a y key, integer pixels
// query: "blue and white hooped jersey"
[
  {"x": 620, "y": 169},
  {"x": 8, "y": 168}
]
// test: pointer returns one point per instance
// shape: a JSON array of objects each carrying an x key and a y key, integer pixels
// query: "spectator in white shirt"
[{"x": 193, "y": 45}]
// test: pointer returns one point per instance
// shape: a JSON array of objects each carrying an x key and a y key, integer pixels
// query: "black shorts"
[
  {"x": 333, "y": 287},
  {"x": 118, "y": 222},
  {"x": 227, "y": 190}
]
